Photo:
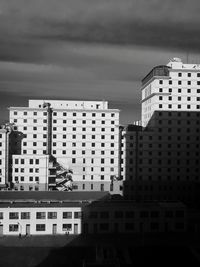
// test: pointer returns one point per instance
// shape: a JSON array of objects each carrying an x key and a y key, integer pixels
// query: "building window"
[
  {"x": 102, "y": 177},
  {"x": 154, "y": 226},
  {"x": 104, "y": 226},
  {"x": 13, "y": 227},
  {"x": 13, "y": 215},
  {"x": 52, "y": 215},
  {"x": 77, "y": 215},
  {"x": 67, "y": 215},
  {"x": 67, "y": 227},
  {"x": 40, "y": 215},
  {"x": 104, "y": 214},
  {"x": 129, "y": 214},
  {"x": 25, "y": 215},
  {"x": 93, "y": 215},
  {"x": 119, "y": 214},
  {"x": 40, "y": 227}
]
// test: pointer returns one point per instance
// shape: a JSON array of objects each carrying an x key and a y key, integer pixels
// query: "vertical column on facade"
[
  {"x": 8, "y": 130},
  {"x": 49, "y": 129},
  {"x": 120, "y": 150},
  {"x": 136, "y": 163}
]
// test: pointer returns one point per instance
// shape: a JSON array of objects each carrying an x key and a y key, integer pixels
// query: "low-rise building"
[{"x": 51, "y": 212}]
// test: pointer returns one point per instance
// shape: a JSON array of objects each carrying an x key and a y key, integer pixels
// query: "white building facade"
[
  {"x": 82, "y": 135},
  {"x": 51, "y": 213},
  {"x": 175, "y": 86}
]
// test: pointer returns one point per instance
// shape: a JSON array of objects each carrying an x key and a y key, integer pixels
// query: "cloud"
[
  {"x": 28, "y": 27},
  {"x": 70, "y": 49}
]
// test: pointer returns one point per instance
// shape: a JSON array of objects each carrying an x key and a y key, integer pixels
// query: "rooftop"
[{"x": 53, "y": 196}]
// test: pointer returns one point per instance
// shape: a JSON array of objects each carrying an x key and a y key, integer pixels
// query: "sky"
[{"x": 91, "y": 49}]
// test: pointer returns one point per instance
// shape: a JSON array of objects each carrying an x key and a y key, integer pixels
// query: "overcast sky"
[{"x": 91, "y": 49}]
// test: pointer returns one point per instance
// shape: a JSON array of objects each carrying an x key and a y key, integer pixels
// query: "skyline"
[{"x": 99, "y": 50}]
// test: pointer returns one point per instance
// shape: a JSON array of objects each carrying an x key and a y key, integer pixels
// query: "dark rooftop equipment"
[{"x": 157, "y": 71}]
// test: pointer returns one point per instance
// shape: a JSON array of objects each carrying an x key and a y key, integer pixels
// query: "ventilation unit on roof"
[{"x": 176, "y": 59}]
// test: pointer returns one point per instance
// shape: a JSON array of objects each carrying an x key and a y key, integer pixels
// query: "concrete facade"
[
  {"x": 41, "y": 213},
  {"x": 162, "y": 159},
  {"x": 175, "y": 86},
  {"x": 84, "y": 137}
]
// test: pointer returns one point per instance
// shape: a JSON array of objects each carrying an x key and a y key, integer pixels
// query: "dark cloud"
[
  {"x": 26, "y": 27},
  {"x": 67, "y": 49},
  {"x": 177, "y": 36}
]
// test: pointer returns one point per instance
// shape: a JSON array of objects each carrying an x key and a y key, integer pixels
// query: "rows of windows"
[
  {"x": 189, "y": 74},
  {"x": 64, "y": 121},
  {"x": 31, "y": 170},
  {"x": 179, "y": 114},
  {"x": 72, "y": 137},
  {"x": 30, "y": 178},
  {"x": 130, "y": 227},
  {"x": 64, "y": 144},
  {"x": 31, "y": 161},
  {"x": 40, "y": 227},
  {"x": 168, "y": 178},
  {"x": 74, "y": 114},
  {"x": 179, "y": 82},
  {"x": 179, "y": 106},
  {"x": 34, "y": 128},
  {"x": 120, "y": 214},
  {"x": 43, "y": 215},
  {"x": 21, "y": 188},
  {"x": 64, "y": 152},
  {"x": 179, "y": 98}
]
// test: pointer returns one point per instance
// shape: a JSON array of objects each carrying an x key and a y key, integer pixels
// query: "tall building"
[
  {"x": 175, "y": 86},
  {"x": 164, "y": 154},
  {"x": 53, "y": 138}
]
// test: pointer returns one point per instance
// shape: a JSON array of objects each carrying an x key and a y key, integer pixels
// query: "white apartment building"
[
  {"x": 50, "y": 213},
  {"x": 81, "y": 135},
  {"x": 162, "y": 159},
  {"x": 44, "y": 213},
  {"x": 30, "y": 172},
  {"x": 175, "y": 86}
]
